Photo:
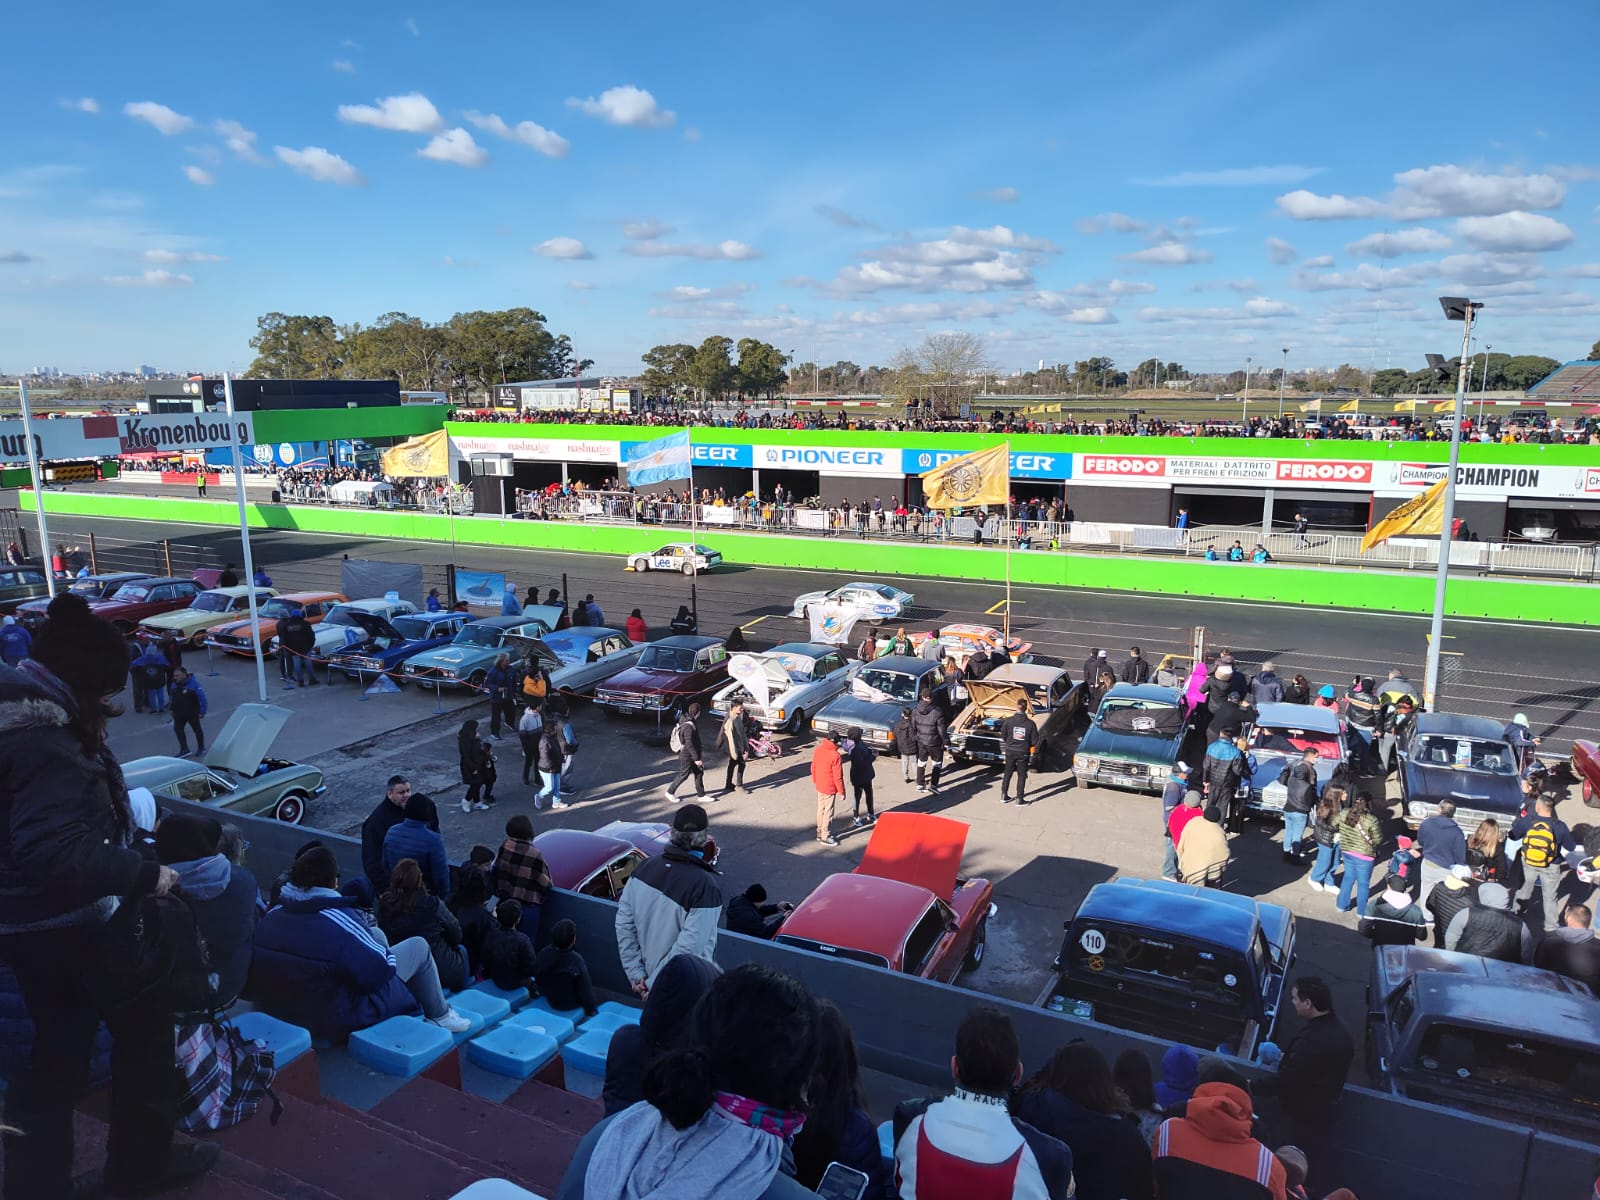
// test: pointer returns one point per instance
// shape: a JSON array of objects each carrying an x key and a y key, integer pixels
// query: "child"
[
  {"x": 561, "y": 973},
  {"x": 470, "y": 904},
  {"x": 507, "y": 953}
]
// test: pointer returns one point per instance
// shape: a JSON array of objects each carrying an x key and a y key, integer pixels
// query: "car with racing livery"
[
  {"x": 1054, "y": 702},
  {"x": 1278, "y": 736},
  {"x": 1465, "y": 759},
  {"x": 905, "y": 908},
  {"x": 669, "y": 674},
  {"x": 234, "y": 637},
  {"x": 874, "y": 603},
  {"x": 961, "y": 641},
  {"x": 1133, "y": 739},
  {"x": 688, "y": 557},
  {"x": 389, "y": 642},
  {"x": 781, "y": 686},
  {"x": 206, "y": 611},
  {"x": 877, "y": 693}
]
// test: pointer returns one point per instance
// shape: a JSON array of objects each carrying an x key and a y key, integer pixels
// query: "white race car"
[
  {"x": 873, "y": 602},
  {"x": 688, "y": 557}
]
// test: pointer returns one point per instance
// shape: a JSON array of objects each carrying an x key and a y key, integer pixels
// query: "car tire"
[
  {"x": 975, "y": 952},
  {"x": 688, "y": 568},
  {"x": 291, "y": 808},
  {"x": 642, "y": 564},
  {"x": 805, "y": 614},
  {"x": 797, "y": 723},
  {"x": 1590, "y": 799},
  {"x": 475, "y": 680},
  {"x": 198, "y": 641}
]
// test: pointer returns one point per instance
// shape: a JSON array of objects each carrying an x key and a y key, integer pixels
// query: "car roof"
[
  {"x": 833, "y": 913},
  {"x": 1145, "y": 691},
  {"x": 126, "y": 576},
  {"x": 502, "y": 622},
  {"x": 159, "y": 770},
  {"x": 376, "y": 604},
  {"x": 243, "y": 589},
  {"x": 306, "y": 597},
  {"x": 1034, "y": 673},
  {"x": 1187, "y": 911},
  {"x": 909, "y": 663},
  {"x": 1299, "y": 716},
  {"x": 574, "y": 854},
  {"x": 694, "y": 641},
  {"x": 802, "y": 649},
  {"x": 1489, "y": 993},
  {"x": 1474, "y": 727},
  {"x": 432, "y": 618},
  {"x": 579, "y": 634},
  {"x": 152, "y": 580}
]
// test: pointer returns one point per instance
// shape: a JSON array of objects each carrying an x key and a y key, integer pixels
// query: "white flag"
[{"x": 832, "y": 623}]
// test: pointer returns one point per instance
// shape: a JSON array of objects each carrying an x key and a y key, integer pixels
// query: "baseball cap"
[
  {"x": 1326, "y": 691},
  {"x": 691, "y": 818}
]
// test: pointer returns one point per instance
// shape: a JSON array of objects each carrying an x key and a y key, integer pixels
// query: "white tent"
[{"x": 371, "y": 493}]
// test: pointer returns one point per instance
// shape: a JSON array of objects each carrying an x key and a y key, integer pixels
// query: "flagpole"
[
  {"x": 694, "y": 524},
  {"x": 1006, "y": 629},
  {"x": 1430, "y": 681},
  {"x": 244, "y": 537},
  {"x": 36, "y": 471}
]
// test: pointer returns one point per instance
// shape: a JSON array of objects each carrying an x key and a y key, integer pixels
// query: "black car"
[
  {"x": 90, "y": 587},
  {"x": 19, "y": 584},
  {"x": 1464, "y": 759}
]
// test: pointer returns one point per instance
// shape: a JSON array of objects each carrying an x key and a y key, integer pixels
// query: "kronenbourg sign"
[
  {"x": 750, "y": 672},
  {"x": 832, "y": 623}
]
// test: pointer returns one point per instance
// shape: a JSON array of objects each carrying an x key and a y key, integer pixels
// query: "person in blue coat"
[
  {"x": 223, "y": 895},
  {"x": 261, "y": 579},
  {"x": 417, "y": 837},
  {"x": 510, "y": 606},
  {"x": 434, "y": 604},
  {"x": 15, "y": 642}
]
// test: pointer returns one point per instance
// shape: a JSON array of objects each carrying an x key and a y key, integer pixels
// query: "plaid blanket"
[
  {"x": 224, "y": 1076},
  {"x": 520, "y": 872}
]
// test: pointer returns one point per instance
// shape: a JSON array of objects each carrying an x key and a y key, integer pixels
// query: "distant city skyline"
[{"x": 1194, "y": 184}]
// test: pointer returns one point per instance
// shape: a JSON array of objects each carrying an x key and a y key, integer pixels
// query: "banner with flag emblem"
[
  {"x": 1422, "y": 514},
  {"x": 980, "y": 478},
  {"x": 1405, "y": 406},
  {"x": 425, "y": 457},
  {"x": 1445, "y": 406}
]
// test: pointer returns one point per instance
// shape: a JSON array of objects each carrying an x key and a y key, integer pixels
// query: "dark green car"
[{"x": 1134, "y": 739}]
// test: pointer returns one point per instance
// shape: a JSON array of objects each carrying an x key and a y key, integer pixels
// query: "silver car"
[
  {"x": 589, "y": 654},
  {"x": 796, "y": 679}
]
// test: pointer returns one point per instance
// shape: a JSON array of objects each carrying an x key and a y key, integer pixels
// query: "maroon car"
[
  {"x": 592, "y": 864},
  {"x": 134, "y": 602},
  {"x": 90, "y": 587},
  {"x": 668, "y": 675}
]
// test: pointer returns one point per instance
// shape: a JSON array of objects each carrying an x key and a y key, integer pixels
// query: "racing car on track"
[{"x": 689, "y": 557}]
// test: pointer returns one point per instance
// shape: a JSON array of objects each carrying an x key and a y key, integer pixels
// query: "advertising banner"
[
  {"x": 131, "y": 433},
  {"x": 1023, "y": 465},
  {"x": 481, "y": 589},
  {"x": 832, "y": 623},
  {"x": 828, "y": 460},
  {"x": 541, "y": 449},
  {"x": 1241, "y": 472}
]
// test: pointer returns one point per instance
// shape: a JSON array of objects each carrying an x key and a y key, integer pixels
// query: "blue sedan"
[{"x": 390, "y": 642}]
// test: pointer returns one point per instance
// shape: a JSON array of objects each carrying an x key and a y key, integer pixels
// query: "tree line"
[{"x": 716, "y": 367}]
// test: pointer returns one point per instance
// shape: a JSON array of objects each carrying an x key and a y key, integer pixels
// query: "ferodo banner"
[{"x": 1241, "y": 472}]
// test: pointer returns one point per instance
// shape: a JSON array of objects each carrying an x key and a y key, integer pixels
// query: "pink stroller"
[{"x": 762, "y": 745}]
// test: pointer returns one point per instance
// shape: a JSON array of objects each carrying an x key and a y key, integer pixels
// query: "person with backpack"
[
  {"x": 684, "y": 741},
  {"x": 65, "y": 866},
  {"x": 1545, "y": 839},
  {"x": 188, "y": 706},
  {"x": 529, "y": 727}
]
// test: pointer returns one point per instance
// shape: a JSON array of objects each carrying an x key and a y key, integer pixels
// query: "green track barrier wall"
[{"x": 1381, "y": 591}]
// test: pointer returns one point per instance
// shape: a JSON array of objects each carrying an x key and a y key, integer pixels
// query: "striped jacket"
[{"x": 1208, "y": 1153}]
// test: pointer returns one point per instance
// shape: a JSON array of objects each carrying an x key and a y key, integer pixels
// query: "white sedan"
[
  {"x": 688, "y": 557},
  {"x": 339, "y": 629},
  {"x": 872, "y": 602}
]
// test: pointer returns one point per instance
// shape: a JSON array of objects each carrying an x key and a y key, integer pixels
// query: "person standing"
[
  {"x": 200, "y": 483},
  {"x": 1449, "y": 896},
  {"x": 1393, "y": 918},
  {"x": 1266, "y": 687},
  {"x": 1572, "y": 950},
  {"x": 861, "y": 775},
  {"x": 685, "y": 742},
  {"x": 671, "y": 904},
  {"x": 1361, "y": 718},
  {"x": 1018, "y": 738},
  {"x": 905, "y": 742},
  {"x": 735, "y": 737},
  {"x": 1489, "y": 928},
  {"x": 929, "y": 733},
  {"x": 1440, "y": 845},
  {"x": 477, "y": 768},
  {"x": 529, "y": 726},
  {"x": 1315, "y": 1067},
  {"x": 552, "y": 759},
  {"x": 1222, "y": 770},
  {"x": 1203, "y": 850},
  {"x": 827, "y": 777},
  {"x": 188, "y": 706},
  {"x": 868, "y": 650},
  {"x": 229, "y": 576},
  {"x": 15, "y": 642},
  {"x": 1360, "y": 835},
  {"x": 1137, "y": 668},
  {"x": 417, "y": 837},
  {"x": 1394, "y": 728},
  {"x": 1300, "y": 780},
  {"x": 1172, "y": 793},
  {"x": 297, "y": 639},
  {"x": 500, "y": 685},
  {"x": 1093, "y": 665},
  {"x": 1544, "y": 840},
  {"x": 1300, "y": 527},
  {"x": 391, "y": 810},
  {"x": 509, "y": 604},
  {"x": 1325, "y": 836},
  {"x": 638, "y": 632}
]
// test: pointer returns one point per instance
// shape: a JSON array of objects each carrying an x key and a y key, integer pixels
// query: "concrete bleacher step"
[
  {"x": 501, "y": 1141},
  {"x": 556, "y": 1106}
]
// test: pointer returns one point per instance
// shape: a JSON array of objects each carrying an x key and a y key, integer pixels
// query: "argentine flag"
[{"x": 664, "y": 458}]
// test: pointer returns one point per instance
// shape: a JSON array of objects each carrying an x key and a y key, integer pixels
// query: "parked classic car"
[
  {"x": 389, "y": 643},
  {"x": 688, "y": 557},
  {"x": 876, "y": 695},
  {"x": 1585, "y": 767},
  {"x": 593, "y": 864},
  {"x": 205, "y": 612},
  {"x": 235, "y": 773},
  {"x": 134, "y": 602},
  {"x": 21, "y": 584},
  {"x": 959, "y": 641},
  {"x": 905, "y": 908},
  {"x": 1181, "y": 963},
  {"x": 588, "y": 655},
  {"x": 1465, "y": 759},
  {"x": 340, "y": 628},
  {"x": 1054, "y": 702},
  {"x": 1279, "y": 736},
  {"x": 1134, "y": 739},
  {"x": 469, "y": 655},
  {"x": 1502, "y": 1040},
  {"x": 872, "y": 602},
  {"x": 92, "y": 588},
  {"x": 669, "y": 674},
  {"x": 794, "y": 679},
  {"x": 234, "y": 637}
]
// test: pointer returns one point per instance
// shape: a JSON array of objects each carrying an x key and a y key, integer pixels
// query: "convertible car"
[
  {"x": 235, "y": 773},
  {"x": 871, "y": 602},
  {"x": 1134, "y": 739},
  {"x": 1054, "y": 702},
  {"x": 779, "y": 687},
  {"x": 905, "y": 908}
]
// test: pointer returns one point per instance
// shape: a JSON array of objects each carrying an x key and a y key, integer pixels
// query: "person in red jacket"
[
  {"x": 827, "y": 773},
  {"x": 1208, "y": 1152},
  {"x": 1192, "y": 807},
  {"x": 638, "y": 632}
]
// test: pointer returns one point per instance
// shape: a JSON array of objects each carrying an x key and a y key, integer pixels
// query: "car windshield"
[
  {"x": 1219, "y": 976},
  {"x": 667, "y": 658},
  {"x": 131, "y": 593},
  {"x": 1464, "y": 754},
  {"x": 1127, "y": 714},
  {"x": 414, "y": 628},
  {"x": 212, "y": 602},
  {"x": 1287, "y": 741},
  {"x": 87, "y": 587},
  {"x": 278, "y": 609},
  {"x": 1512, "y": 1063},
  {"x": 893, "y": 685},
  {"x": 479, "y": 635}
]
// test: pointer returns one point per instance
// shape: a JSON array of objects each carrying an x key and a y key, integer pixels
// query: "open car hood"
[
  {"x": 917, "y": 848},
  {"x": 546, "y": 656},
  {"x": 246, "y": 738},
  {"x": 996, "y": 697}
]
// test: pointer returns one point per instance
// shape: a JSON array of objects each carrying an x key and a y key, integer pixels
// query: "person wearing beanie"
[
  {"x": 751, "y": 914},
  {"x": 67, "y": 863},
  {"x": 670, "y": 905},
  {"x": 661, "y": 1025},
  {"x": 1180, "y": 1070},
  {"x": 1449, "y": 896},
  {"x": 1203, "y": 850},
  {"x": 417, "y": 836},
  {"x": 222, "y": 895},
  {"x": 15, "y": 642}
]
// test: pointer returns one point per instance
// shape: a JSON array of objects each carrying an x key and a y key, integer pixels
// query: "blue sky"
[{"x": 1197, "y": 182}]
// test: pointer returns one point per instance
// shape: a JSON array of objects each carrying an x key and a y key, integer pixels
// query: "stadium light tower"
[
  {"x": 1283, "y": 377},
  {"x": 1456, "y": 308}
]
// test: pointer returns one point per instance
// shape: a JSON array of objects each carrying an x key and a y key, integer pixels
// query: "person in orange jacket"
[
  {"x": 827, "y": 774},
  {"x": 1209, "y": 1151}
]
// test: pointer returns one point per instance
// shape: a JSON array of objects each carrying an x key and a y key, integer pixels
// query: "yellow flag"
[
  {"x": 1422, "y": 514},
  {"x": 1353, "y": 406},
  {"x": 1445, "y": 406},
  {"x": 1312, "y": 406},
  {"x": 1406, "y": 406},
  {"x": 424, "y": 457},
  {"x": 982, "y": 477}
]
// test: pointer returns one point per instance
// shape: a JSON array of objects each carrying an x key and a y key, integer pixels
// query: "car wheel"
[
  {"x": 797, "y": 723},
  {"x": 1589, "y": 797},
  {"x": 688, "y": 568},
  {"x": 975, "y": 952},
  {"x": 805, "y": 614},
  {"x": 475, "y": 680},
  {"x": 642, "y": 564},
  {"x": 198, "y": 641},
  {"x": 291, "y": 809}
]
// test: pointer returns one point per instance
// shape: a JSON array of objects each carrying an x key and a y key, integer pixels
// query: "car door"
[
  {"x": 930, "y": 948},
  {"x": 665, "y": 559}
]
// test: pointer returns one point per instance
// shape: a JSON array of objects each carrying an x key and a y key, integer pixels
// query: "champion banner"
[
  {"x": 982, "y": 477},
  {"x": 1422, "y": 514},
  {"x": 425, "y": 457},
  {"x": 665, "y": 458}
]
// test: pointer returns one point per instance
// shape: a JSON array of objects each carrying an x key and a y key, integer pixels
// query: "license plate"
[{"x": 1127, "y": 781}]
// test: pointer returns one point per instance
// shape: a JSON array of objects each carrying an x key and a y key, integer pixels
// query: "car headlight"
[
  {"x": 1086, "y": 763},
  {"x": 1419, "y": 808}
]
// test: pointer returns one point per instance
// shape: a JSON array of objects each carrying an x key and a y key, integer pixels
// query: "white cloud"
[
  {"x": 580, "y": 285},
  {"x": 690, "y": 292},
  {"x": 648, "y": 230},
  {"x": 1319, "y": 262},
  {"x": 922, "y": 314},
  {"x": 172, "y": 258},
  {"x": 1114, "y": 221},
  {"x": 1245, "y": 287},
  {"x": 154, "y": 278},
  {"x": 964, "y": 260},
  {"x": 1514, "y": 232},
  {"x": 999, "y": 195},
  {"x": 529, "y": 133},
  {"x": 625, "y": 105},
  {"x": 199, "y": 175},
  {"x": 411, "y": 113},
  {"x": 691, "y": 134},
  {"x": 1401, "y": 241},
  {"x": 563, "y": 247},
  {"x": 728, "y": 250},
  {"x": 1437, "y": 191},
  {"x": 1261, "y": 308},
  {"x": 1490, "y": 268},
  {"x": 1170, "y": 254},
  {"x": 1573, "y": 172},
  {"x": 159, "y": 116},
  {"x": 240, "y": 140},
  {"x": 841, "y": 218},
  {"x": 1281, "y": 252},
  {"x": 83, "y": 104},
  {"x": 344, "y": 66},
  {"x": 322, "y": 165},
  {"x": 1365, "y": 277},
  {"x": 1584, "y": 270},
  {"x": 455, "y": 146},
  {"x": 1091, "y": 316},
  {"x": 1130, "y": 287},
  {"x": 699, "y": 311},
  {"x": 1273, "y": 176}
]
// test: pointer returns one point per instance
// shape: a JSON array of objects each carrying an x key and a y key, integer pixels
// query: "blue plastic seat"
[
  {"x": 621, "y": 1014},
  {"x": 473, "y": 1003},
  {"x": 515, "y": 997},
  {"x": 886, "y": 1141},
  {"x": 287, "y": 1042},
  {"x": 496, "y": 1189},
  {"x": 575, "y": 1015},
  {"x": 559, "y": 1028},
  {"x": 404, "y": 1046},
  {"x": 513, "y": 1050},
  {"x": 587, "y": 1052}
]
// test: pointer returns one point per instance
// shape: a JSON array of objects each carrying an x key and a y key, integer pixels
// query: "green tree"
[
  {"x": 666, "y": 368},
  {"x": 1347, "y": 376},
  {"x": 1388, "y": 381},
  {"x": 843, "y": 376},
  {"x": 711, "y": 372},
  {"x": 295, "y": 347},
  {"x": 761, "y": 368},
  {"x": 1144, "y": 375},
  {"x": 397, "y": 346},
  {"x": 563, "y": 362},
  {"x": 1525, "y": 370},
  {"x": 1594, "y": 352},
  {"x": 487, "y": 348}
]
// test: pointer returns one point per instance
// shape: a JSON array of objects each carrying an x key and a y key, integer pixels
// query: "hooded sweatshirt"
[
  {"x": 1180, "y": 1070},
  {"x": 672, "y": 999},
  {"x": 638, "y": 1155},
  {"x": 1208, "y": 1153}
]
